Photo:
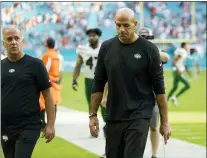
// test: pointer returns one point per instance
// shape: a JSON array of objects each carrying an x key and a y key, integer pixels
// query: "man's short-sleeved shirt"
[{"x": 21, "y": 84}]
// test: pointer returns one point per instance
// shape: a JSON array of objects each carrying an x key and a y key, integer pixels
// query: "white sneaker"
[{"x": 174, "y": 100}]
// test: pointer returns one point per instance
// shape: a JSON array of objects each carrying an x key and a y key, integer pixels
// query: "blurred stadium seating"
[{"x": 172, "y": 22}]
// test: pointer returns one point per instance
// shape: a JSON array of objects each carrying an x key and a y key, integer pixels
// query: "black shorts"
[{"x": 126, "y": 139}]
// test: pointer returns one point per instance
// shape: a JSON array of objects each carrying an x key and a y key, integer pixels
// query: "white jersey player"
[
  {"x": 178, "y": 75},
  {"x": 89, "y": 56},
  {"x": 180, "y": 64}
]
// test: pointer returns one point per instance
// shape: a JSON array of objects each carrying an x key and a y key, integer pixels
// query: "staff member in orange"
[{"x": 52, "y": 62}]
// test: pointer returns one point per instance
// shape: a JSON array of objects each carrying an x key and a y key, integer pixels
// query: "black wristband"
[{"x": 92, "y": 115}]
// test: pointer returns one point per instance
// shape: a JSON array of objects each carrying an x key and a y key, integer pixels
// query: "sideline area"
[{"x": 73, "y": 126}]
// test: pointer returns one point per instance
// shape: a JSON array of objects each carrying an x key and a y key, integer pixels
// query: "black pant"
[
  {"x": 21, "y": 144},
  {"x": 126, "y": 139}
]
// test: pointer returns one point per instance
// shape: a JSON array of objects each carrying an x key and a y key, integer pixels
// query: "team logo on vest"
[
  {"x": 137, "y": 56},
  {"x": 11, "y": 70}
]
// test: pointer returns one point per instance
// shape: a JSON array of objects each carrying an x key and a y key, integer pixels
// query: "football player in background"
[
  {"x": 87, "y": 56},
  {"x": 178, "y": 73}
]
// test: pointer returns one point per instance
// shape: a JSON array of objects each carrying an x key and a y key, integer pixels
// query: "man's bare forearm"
[
  {"x": 50, "y": 107},
  {"x": 163, "y": 108},
  {"x": 77, "y": 68},
  {"x": 95, "y": 101},
  {"x": 76, "y": 73}
]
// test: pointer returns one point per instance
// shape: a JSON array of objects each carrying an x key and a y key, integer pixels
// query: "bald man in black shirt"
[{"x": 134, "y": 72}]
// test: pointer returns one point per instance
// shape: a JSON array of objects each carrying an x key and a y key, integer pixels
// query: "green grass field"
[
  {"x": 188, "y": 120},
  {"x": 60, "y": 148},
  {"x": 191, "y": 132}
]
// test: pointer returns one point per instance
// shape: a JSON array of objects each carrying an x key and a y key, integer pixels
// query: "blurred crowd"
[
  {"x": 68, "y": 21},
  {"x": 174, "y": 19}
]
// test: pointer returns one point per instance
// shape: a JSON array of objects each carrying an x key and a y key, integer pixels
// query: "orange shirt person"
[{"x": 51, "y": 60}]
